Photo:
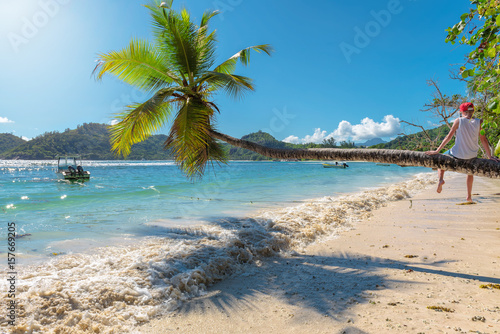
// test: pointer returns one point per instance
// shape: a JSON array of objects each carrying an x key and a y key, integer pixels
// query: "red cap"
[{"x": 467, "y": 106}]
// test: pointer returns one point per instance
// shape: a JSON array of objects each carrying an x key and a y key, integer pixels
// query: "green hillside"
[
  {"x": 418, "y": 141},
  {"x": 261, "y": 138},
  {"x": 9, "y": 141},
  {"x": 90, "y": 141}
]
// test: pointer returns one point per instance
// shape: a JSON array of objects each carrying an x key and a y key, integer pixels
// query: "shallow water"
[
  {"x": 125, "y": 200},
  {"x": 167, "y": 238}
]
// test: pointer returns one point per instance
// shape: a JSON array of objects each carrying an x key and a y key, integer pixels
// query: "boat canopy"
[{"x": 66, "y": 161}]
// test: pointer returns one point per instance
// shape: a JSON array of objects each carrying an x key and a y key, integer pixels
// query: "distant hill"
[
  {"x": 90, "y": 141},
  {"x": 417, "y": 141},
  {"x": 373, "y": 141},
  {"x": 261, "y": 138},
  {"x": 9, "y": 141}
]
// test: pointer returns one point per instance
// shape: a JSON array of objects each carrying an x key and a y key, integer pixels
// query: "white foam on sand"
[{"x": 118, "y": 287}]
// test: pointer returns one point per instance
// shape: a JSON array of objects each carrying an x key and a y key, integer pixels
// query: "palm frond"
[
  {"x": 234, "y": 85},
  {"x": 186, "y": 17},
  {"x": 166, "y": 4},
  {"x": 207, "y": 16},
  {"x": 243, "y": 56},
  {"x": 196, "y": 164},
  {"x": 178, "y": 40},
  {"x": 140, "y": 121},
  {"x": 139, "y": 65},
  {"x": 189, "y": 138}
]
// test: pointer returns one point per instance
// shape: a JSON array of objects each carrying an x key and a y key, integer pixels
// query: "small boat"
[
  {"x": 336, "y": 165},
  {"x": 70, "y": 168}
]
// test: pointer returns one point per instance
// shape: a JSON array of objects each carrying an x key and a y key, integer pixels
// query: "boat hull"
[
  {"x": 75, "y": 177},
  {"x": 334, "y": 166}
]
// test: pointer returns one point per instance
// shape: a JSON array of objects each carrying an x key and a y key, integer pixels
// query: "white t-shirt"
[{"x": 466, "y": 138}]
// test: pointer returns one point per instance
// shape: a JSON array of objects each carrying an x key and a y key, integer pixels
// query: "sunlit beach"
[{"x": 249, "y": 167}]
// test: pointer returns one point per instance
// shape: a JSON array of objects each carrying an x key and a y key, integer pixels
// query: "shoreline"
[
  {"x": 90, "y": 243},
  {"x": 135, "y": 284},
  {"x": 379, "y": 277}
]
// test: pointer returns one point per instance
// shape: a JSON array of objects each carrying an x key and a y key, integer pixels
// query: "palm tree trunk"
[{"x": 480, "y": 167}]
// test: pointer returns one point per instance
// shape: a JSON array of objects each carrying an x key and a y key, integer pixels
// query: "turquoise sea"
[{"x": 143, "y": 230}]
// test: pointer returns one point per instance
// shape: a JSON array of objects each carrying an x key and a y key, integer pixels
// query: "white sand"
[{"x": 362, "y": 282}]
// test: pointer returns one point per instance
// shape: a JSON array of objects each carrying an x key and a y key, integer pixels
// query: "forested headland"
[{"x": 91, "y": 141}]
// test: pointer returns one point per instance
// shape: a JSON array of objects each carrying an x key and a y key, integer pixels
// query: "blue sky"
[{"x": 347, "y": 69}]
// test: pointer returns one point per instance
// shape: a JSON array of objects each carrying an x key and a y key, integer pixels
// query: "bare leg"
[
  {"x": 441, "y": 180},
  {"x": 470, "y": 180}
]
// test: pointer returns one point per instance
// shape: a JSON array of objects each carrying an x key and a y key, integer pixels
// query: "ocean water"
[{"x": 140, "y": 238}]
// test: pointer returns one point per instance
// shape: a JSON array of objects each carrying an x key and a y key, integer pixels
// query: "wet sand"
[{"x": 383, "y": 276}]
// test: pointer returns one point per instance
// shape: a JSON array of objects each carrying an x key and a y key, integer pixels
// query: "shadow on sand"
[{"x": 326, "y": 285}]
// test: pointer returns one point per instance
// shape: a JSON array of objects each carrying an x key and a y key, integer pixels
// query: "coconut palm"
[{"x": 178, "y": 70}]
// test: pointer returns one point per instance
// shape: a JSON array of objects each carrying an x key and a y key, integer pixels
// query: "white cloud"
[
  {"x": 5, "y": 120},
  {"x": 25, "y": 138},
  {"x": 292, "y": 140},
  {"x": 113, "y": 122},
  {"x": 366, "y": 130}
]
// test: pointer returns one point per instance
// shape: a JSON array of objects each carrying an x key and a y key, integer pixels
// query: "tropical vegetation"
[
  {"x": 178, "y": 69},
  {"x": 90, "y": 140},
  {"x": 424, "y": 140},
  {"x": 8, "y": 142},
  {"x": 480, "y": 29}
]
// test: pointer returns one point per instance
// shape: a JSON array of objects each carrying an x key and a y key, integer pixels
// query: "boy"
[{"x": 468, "y": 130}]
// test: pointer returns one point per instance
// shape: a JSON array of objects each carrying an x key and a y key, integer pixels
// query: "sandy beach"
[{"x": 415, "y": 266}]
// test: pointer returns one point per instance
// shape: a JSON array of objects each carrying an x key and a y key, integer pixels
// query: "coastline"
[
  {"x": 381, "y": 276},
  {"x": 117, "y": 288}
]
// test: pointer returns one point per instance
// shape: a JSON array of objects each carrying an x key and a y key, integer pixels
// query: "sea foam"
[{"x": 116, "y": 288}]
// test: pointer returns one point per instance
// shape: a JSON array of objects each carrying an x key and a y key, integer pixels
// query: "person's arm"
[
  {"x": 446, "y": 139},
  {"x": 486, "y": 145}
]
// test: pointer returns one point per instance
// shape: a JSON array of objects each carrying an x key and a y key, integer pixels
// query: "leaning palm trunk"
[{"x": 480, "y": 167}]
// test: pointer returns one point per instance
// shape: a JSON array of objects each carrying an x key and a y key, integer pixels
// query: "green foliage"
[
  {"x": 9, "y": 141},
  {"x": 91, "y": 141},
  {"x": 330, "y": 142},
  {"x": 480, "y": 28},
  {"x": 417, "y": 141},
  {"x": 347, "y": 144},
  {"x": 178, "y": 68}
]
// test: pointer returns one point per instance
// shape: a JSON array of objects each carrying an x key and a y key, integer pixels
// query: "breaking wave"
[{"x": 116, "y": 288}]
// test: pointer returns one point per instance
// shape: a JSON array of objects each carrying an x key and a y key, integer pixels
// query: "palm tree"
[{"x": 179, "y": 70}]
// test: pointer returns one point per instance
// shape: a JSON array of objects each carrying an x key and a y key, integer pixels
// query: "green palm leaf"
[
  {"x": 179, "y": 67},
  {"x": 234, "y": 85},
  {"x": 140, "y": 121},
  {"x": 178, "y": 40},
  {"x": 139, "y": 65},
  {"x": 189, "y": 137},
  {"x": 243, "y": 56},
  {"x": 207, "y": 16}
]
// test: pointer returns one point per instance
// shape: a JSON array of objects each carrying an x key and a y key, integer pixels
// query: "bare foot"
[
  {"x": 469, "y": 199},
  {"x": 440, "y": 186}
]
